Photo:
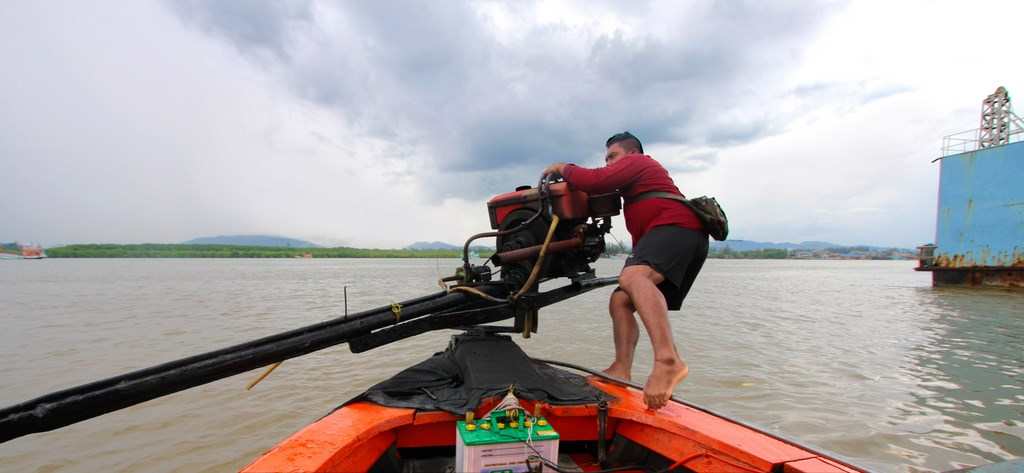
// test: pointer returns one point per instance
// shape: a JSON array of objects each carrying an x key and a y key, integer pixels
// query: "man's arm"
[
  {"x": 556, "y": 168},
  {"x": 601, "y": 180}
]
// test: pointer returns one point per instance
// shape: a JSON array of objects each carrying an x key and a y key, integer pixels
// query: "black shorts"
[{"x": 677, "y": 254}]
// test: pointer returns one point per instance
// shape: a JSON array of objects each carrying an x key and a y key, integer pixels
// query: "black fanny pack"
[{"x": 706, "y": 208}]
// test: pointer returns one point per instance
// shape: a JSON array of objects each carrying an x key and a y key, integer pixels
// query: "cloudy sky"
[{"x": 382, "y": 123}]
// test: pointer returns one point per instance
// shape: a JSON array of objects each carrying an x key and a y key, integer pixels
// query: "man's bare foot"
[
  {"x": 619, "y": 370},
  {"x": 663, "y": 380}
]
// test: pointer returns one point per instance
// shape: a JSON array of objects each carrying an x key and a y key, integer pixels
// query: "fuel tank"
[{"x": 567, "y": 203}]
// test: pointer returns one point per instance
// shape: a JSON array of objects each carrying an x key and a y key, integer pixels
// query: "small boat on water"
[
  {"x": 22, "y": 252},
  {"x": 32, "y": 252},
  {"x": 449, "y": 414}
]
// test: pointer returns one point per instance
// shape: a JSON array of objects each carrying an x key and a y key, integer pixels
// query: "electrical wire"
[
  {"x": 558, "y": 468},
  {"x": 508, "y": 402}
]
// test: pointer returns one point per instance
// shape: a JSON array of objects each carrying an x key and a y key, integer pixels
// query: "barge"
[{"x": 979, "y": 237}]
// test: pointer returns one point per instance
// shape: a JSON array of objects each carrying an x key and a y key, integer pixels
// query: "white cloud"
[{"x": 378, "y": 126}]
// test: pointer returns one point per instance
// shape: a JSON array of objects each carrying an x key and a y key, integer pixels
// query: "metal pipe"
[
  {"x": 542, "y": 196},
  {"x": 595, "y": 282},
  {"x": 529, "y": 252}
]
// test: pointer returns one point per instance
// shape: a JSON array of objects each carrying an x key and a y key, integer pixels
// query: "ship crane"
[{"x": 998, "y": 122}]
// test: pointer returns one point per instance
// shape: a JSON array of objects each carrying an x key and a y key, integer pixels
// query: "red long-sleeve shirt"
[{"x": 633, "y": 175}]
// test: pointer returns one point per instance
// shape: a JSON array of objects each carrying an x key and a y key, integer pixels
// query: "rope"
[
  {"x": 266, "y": 373},
  {"x": 555, "y": 466},
  {"x": 478, "y": 293}
]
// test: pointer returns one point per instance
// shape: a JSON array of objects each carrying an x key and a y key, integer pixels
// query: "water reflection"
[{"x": 965, "y": 392}]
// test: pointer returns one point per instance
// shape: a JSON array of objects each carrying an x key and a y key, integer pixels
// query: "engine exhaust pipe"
[{"x": 529, "y": 252}]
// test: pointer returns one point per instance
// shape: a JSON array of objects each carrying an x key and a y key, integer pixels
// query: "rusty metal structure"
[
  {"x": 999, "y": 126},
  {"x": 979, "y": 236},
  {"x": 997, "y": 118}
]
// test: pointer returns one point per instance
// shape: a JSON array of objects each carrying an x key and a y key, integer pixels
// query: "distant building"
[{"x": 979, "y": 235}]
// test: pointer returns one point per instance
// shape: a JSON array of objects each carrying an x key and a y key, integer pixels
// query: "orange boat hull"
[{"x": 354, "y": 437}]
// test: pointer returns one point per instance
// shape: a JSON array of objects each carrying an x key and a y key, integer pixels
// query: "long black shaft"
[{"x": 90, "y": 400}]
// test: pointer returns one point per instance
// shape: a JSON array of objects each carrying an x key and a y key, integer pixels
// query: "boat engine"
[
  {"x": 544, "y": 232},
  {"x": 523, "y": 219}
]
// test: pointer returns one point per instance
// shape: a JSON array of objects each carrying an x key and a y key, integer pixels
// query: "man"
[{"x": 669, "y": 248}]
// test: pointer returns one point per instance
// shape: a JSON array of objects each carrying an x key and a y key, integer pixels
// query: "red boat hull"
[{"x": 354, "y": 437}]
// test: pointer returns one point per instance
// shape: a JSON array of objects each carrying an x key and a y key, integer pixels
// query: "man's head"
[{"x": 620, "y": 145}]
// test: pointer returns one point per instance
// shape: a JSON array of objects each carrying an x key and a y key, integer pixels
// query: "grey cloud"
[
  {"x": 738, "y": 132},
  {"x": 250, "y": 26},
  {"x": 436, "y": 78}
]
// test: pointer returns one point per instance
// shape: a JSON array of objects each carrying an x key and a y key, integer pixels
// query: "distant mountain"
[
  {"x": 252, "y": 240},
  {"x": 748, "y": 245},
  {"x": 432, "y": 245}
]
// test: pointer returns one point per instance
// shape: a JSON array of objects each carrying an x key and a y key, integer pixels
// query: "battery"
[{"x": 503, "y": 443}]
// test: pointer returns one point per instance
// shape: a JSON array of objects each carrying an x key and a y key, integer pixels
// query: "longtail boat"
[
  {"x": 613, "y": 432},
  {"x": 481, "y": 405}
]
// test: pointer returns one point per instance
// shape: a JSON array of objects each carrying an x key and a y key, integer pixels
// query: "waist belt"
[{"x": 654, "y": 195}]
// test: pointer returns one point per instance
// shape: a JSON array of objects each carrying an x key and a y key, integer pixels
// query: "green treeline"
[
  {"x": 767, "y": 253},
  {"x": 152, "y": 250}
]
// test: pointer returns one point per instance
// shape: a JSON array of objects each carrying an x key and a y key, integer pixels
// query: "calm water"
[{"x": 861, "y": 358}]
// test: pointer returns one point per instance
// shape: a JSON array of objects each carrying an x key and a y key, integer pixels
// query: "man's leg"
[
  {"x": 626, "y": 333},
  {"x": 640, "y": 282}
]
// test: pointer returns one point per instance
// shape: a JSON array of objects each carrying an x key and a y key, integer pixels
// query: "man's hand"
[{"x": 554, "y": 169}]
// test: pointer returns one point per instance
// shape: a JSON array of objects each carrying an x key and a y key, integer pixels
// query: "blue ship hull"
[{"x": 979, "y": 234}]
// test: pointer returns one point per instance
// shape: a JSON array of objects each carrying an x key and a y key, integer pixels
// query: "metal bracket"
[{"x": 524, "y": 311}]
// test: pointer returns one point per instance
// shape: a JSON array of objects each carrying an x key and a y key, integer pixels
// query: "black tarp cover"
[{"x": 476, "y": 367}]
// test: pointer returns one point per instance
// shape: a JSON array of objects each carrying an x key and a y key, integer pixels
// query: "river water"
[{"x": 860, "y": 358}]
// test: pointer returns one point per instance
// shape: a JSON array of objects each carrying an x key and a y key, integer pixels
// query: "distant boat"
[{"x": 32, "y": 252}]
